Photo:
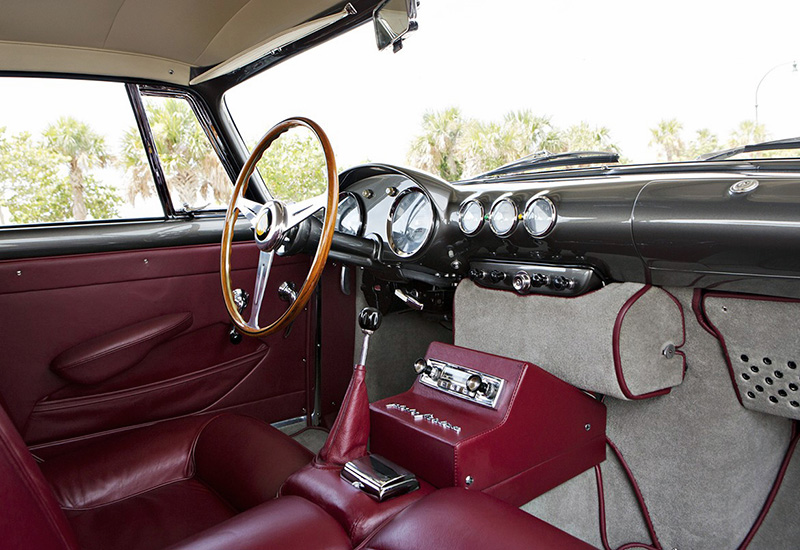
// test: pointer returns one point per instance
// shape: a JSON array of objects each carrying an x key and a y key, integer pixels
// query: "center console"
[
  {"x": 489, "y": 423},
  {"x": 471, "y": 420}
]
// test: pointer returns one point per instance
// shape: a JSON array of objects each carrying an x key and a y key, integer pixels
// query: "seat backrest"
[{"x": 30, "y": 518}]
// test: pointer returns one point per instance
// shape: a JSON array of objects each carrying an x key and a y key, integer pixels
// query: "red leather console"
[
  {"x": 542, "y": 432},
  {"x": 455, "y": 519},
  {"x": 358, "y": 513}
]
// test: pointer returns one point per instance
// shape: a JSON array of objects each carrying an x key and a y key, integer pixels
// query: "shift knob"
[{"x": 369, "y": 320}]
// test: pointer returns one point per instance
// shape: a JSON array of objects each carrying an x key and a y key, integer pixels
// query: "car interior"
[{"x": 566, "y": 352}]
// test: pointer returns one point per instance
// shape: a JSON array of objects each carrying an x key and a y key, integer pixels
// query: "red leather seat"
[
  {"x": 458, "y": 519},
  {"x": 159, "y": 485}
]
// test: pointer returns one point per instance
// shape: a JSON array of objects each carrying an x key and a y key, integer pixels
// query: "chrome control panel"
[
  {"x": 535, "y": 278},
  {"x": 462, "y": 382}
]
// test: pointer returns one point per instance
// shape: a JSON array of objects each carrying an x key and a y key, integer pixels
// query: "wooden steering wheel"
[{"x": 270, "y": 223}]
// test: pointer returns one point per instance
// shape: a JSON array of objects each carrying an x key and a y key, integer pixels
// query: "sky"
[{"x": 620, "y": 64}]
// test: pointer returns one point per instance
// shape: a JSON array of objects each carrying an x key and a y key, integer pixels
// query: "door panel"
[{"x": 50, "y": 305}]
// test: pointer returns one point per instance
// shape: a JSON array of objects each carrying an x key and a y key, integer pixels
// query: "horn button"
[{"x": 270, "y": 225}]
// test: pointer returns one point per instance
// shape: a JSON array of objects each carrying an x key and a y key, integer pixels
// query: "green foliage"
[
  {"x": 294, "y": 167},
  {"x": 439, "y": 148},
  {"x": 191, "y": 167},
  {"x": 667, "y": 139},
  {"x": 453, "y": 147},
  {"x": 36, "y": 176}
]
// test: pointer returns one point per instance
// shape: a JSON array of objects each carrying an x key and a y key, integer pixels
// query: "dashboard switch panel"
[
  {"x": 535, "y": 278},
  {"x": 462, "y": 382}
]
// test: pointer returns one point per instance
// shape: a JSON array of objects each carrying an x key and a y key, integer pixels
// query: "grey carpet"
[
  {"x": 704, "y": 463},
  {"x": 402, "y": 338},
  {"x": 312, "y": 439},
  {"x": 572, "y": 337}
]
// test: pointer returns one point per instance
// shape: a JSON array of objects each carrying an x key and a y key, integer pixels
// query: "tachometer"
[
  {"x": 350, "y": 216},
  {"x": 470, "y": 217},
  {"x": 539, "y": 217},
  {"x": 503, "y": 217},
  {"x": 410, "y": 222}
]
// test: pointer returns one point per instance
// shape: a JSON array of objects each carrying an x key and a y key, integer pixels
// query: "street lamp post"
[{"x": 766, "y": 74}]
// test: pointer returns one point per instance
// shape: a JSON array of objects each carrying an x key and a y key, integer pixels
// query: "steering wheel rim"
[{"x": 270, "y": 222}]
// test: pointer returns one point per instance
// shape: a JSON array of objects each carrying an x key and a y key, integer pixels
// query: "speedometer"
[
  {"x": 350, "y": 216},
  {"x": 410, "y": 222}
]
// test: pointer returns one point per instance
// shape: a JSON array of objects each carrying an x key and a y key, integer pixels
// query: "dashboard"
[{"x": 571, "y": 231}]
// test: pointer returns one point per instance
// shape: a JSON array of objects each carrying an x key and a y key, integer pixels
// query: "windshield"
[{"x": 482, "y": 84}]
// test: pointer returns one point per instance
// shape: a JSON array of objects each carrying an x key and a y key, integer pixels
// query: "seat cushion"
[
  {"x": 458, "y": 519},
  {"x": 154, "y": 519},
  {"x": 288, "y": 523},
  {"x": 153, "y": 486}
]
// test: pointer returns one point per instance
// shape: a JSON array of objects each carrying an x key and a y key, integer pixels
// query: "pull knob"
[
  {"x": 496, "y": 276},
  {"x": 474, "y": 382},
  {"x": 538, "y": 280},
  {"x": 521, "y": 282},
  {"x": 562, "y": 283},
  {"x": 369, "y": 320}
]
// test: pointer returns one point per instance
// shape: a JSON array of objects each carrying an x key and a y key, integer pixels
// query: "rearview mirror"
[{"x": 393, "y": 19}]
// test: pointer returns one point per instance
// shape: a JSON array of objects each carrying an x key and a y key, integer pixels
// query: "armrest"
[{"x": 100, "y": 358}]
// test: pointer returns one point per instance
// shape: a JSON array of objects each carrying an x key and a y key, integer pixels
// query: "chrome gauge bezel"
[
  {"x": 529, "y": 212},
  {"x": 362, "y": 213},
  {"x": 389, "y": 223},
  {"x": 463, "y": 209},
  {"x": 492, "y": 211}
]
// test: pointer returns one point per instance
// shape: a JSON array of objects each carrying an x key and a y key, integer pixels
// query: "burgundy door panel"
[{"x": 51, "y": 305}]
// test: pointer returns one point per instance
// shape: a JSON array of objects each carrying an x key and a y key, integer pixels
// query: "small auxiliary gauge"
[
  {"x": 503, "y": 217},
  {"x": 539, "y": 217},
  {"x": 470, "y": 217}
]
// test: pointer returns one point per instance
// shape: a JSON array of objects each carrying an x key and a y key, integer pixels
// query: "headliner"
[{"x": 151, "y": 39}]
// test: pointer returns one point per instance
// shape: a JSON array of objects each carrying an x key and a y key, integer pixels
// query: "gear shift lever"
[
  {"x": 369, "y": 320},
  {"x": 348, "y": 437}
]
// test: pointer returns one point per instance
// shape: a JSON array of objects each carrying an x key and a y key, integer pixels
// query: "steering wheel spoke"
[
  {"x": 269, "y": 222},
  {"x": 249, "y": 209},
  {"x": 299, "y": 211},
  {"x": 262, "y": 276}
]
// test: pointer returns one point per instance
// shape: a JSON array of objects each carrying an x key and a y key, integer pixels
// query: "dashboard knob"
[
  {"x": 521, "y": 282},
  {"x": 421, "y": 366},
  {"x": 474, "y": 382},
  {"x": 538, "y": 280},
  {"x": 496, "y": 276},
  {"x": 562, "y": 283},
  {"x": 476, "y": 274}
]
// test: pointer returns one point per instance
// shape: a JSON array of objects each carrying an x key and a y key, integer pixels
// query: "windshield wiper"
[
  {"x": 789, "y": 143},
  {"x": 549, "y": 160}
]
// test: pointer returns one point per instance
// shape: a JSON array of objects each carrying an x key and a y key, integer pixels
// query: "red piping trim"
[
  {"x": 615, "y": 347},
  {"x": 775, "y": 487},
  {"x": 639, "y": 497},
  {"x": 699, "y": 313}
]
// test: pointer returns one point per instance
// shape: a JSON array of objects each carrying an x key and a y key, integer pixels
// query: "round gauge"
[
  {"x": 350, "y": 215},
  {"x": 470, "y": 217},
  {"x": 410, "y": 222},
  {"x": 503, "y": 217},
  {"x": 540, "y": 216}
]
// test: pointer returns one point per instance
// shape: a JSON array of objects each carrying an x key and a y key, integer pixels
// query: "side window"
[
  {"x": 65, "y": 149},
  {"x": 195, "y": 176}
]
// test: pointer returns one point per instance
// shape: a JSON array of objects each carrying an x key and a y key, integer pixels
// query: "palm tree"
[
  {"x": 84, "y": 149},
  {"x": 438, "y": 148},
  {"x": 667, "y": 136},
  {"x": 190, "y": 165},
  {"x": 583, "y": 137},
  {"x": 748, "y": 132}
]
